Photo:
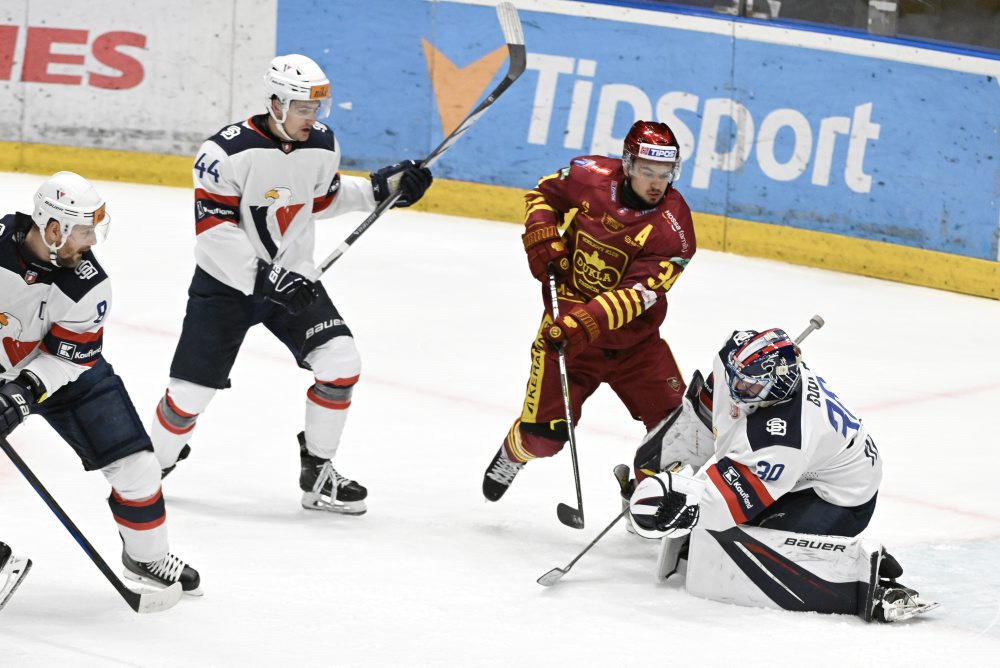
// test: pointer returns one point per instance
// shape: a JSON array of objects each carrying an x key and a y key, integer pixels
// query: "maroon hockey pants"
[{"x": 645, "y": 377}]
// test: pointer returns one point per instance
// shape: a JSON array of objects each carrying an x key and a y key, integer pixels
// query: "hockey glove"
[
  {"x": 544, "y": 246},
  {"x": 407, "y": 177},
  {"x": 281, "y": 286},
  {"x": 16, "y": 399},
  {"x": 567, "y": 333},
  {"x": 666, "y": 505}
]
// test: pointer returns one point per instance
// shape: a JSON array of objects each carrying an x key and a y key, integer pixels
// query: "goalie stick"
[
  {"x": 622, "y": 476},
  {"x": 555, "y": 574},
  {"x": 152, "y": 601},
  {"x": 815, "y": 322},
  {"x": 514, "y": 36}
]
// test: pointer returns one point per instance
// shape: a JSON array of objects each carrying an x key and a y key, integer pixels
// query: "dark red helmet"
[{"x": 649, "y": 140}]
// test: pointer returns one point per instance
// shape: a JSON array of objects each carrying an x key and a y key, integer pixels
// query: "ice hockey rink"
[{"x": 444, "y": 311}]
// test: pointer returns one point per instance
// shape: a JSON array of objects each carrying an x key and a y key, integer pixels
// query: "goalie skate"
[
  {"x": 12, "y": 572},
  {"x": 897, "y": 603},
  {"x": 319, "y": 479}
]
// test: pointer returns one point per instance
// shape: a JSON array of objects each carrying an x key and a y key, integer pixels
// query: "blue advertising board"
[{"x": 835, "y": 134}]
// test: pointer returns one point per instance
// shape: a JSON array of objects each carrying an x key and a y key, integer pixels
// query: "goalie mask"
[
  {"x": 763, "y": 368},
  {"x": 296, "y": 77},
  {"x": 75, "y": 205},
  {"x": 649, "y": 140}
]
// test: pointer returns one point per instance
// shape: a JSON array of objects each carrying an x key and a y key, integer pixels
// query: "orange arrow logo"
[{"x": 457, "y": 89}]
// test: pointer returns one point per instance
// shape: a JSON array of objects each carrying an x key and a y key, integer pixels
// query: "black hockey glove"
[
  {"x": 16, "y": 399},
  {"x": 407, "y": 177},
  {"x": 281, "y": 286}
]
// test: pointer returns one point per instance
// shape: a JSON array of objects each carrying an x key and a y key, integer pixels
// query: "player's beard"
[
  {"x": 652, "y": 200},
  {"x": 70, "y": 261}
]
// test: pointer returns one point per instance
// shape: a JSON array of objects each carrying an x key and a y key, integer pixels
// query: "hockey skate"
[
  {"x": 12, "y": 572},
  {"x": 185, "y": 451},
  {"x": 163, "y": 573},
  {"x": 499, "y": 475},
  {"x": 317, "y": 481},
  {"x": 895, "y": 603}
]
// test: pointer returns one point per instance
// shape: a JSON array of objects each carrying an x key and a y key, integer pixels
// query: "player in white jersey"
[
  {"x": 54, "y": 300},
  {"x": 260, "y": 185},
  {"x": 779, "y": 450}
]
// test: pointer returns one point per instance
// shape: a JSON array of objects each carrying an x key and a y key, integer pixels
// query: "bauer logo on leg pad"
[{"x": 815, "y": 544}]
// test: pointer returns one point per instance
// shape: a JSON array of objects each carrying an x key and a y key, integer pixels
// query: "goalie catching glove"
[
  {"x": 666, "y": 504},
  {"x": 406, "y": 177}
]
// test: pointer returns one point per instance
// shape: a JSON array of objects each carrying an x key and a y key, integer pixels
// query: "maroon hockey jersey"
[{"x": 623, "y": 260}]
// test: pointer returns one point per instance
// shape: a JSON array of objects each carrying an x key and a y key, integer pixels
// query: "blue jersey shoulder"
[
  {"x": 253, "y": 134},
  {"x": 77, "y": 282}
]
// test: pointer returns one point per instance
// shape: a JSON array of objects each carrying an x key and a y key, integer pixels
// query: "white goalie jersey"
[
  {"x": 257, "y": 197},
  {"x": 811, "y": 441}
]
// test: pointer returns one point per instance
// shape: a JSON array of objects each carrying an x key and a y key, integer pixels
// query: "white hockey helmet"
[
  {"x": 296, "y": 77},
  {"x": 74, "y": 203}
]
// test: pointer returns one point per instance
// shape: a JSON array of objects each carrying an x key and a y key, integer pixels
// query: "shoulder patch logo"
[
  {"x": 86, "y": 270},
  {"x": 777, "y": 427}
]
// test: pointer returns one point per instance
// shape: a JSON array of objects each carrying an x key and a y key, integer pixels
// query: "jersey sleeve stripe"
[
  {"x": 727, "y": 495},
  {"x": 76, "y": 337},
  {"x": 744, "y": 493},
  {"x": 206, "y": 224},
  {"x": 321, "y": 203},
  {"x": 228, "y": 200}
]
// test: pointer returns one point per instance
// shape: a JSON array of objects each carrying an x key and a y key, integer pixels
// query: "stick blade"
[
  {"x": 157, "y": 601},
  {"x": 510, "y": 23},
  {"x": 551, "y": 577},
  {"x": 570, "y": 516}
]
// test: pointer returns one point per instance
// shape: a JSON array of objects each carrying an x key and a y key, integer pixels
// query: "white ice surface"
[{"x": 444, "y": 311}]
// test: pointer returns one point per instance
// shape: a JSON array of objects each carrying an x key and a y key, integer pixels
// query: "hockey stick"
[
  {"x": 571, "y": 517},
  {"x": 153, "y": 601},
  {"x": 815, "y": 322},
  {"x": 514, "y": 36},
  {"x": 555, "y": 574}
]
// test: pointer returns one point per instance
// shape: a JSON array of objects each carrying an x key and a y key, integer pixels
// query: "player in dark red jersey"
[{"x": 629, "y": 240}]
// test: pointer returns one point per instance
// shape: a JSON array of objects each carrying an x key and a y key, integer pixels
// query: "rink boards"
[{"x": 820, "y": 148}]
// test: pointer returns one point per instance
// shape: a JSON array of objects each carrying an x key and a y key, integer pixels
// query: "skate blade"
[
  {"x": 17, "y": 569},
  {"x": 156, "y": 584},
  {"x": 911, "y": 611},
  {"x": 311, "y": 501}
]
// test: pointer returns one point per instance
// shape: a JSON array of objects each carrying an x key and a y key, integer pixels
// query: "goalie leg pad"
[
  {"x": 760, "y": 567},
  {"x": 680, "y": 437}
]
